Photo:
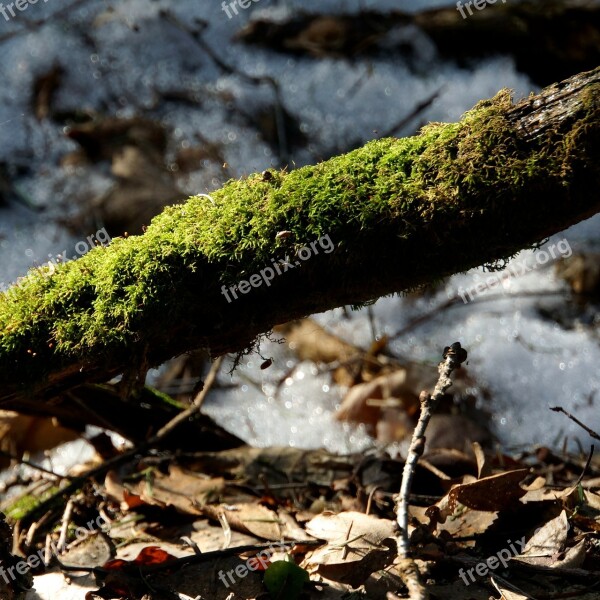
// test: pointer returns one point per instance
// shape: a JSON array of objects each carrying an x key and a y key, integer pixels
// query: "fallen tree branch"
[{"x": 397, "y": 212}]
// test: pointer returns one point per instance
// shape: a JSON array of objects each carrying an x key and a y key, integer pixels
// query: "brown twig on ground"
[
  {"x": 121, "y": 459},
  {"x": 454, "y": 355}
]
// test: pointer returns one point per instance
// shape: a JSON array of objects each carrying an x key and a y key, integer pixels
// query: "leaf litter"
[{"x": 283, "y": 522}]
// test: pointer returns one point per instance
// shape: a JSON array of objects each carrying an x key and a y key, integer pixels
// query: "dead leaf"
[
  {"x": 396, "y": 388},
  {"x": 309, "y": 341},
  {"x": 483, "y": 466},
  {"x": 181, "y": 488},
  {"x": 507, "y": 594},
  {"x": 546, "y": 546},
  {"x": 92, "y": 551},
  {"x": 44, "y": 89},
  {"x": 103, "y": 137},
  {"x": 143, "y": 189},
  {"x": 455, "y": 432},
  {"x": 582, "y": 272},
  {"x": 24, "y": 433},
  {"x": 193, "y": 158},
  {"x": 253, "y": 519},
  {"x": 323, "y": 35},
  {"x": 357, "y": 545},
  {"x": 493, "y": 493}
]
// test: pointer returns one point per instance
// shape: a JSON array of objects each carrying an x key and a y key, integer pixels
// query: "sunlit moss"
[
  {"x": 24, "y": 505},
  {"x": 119, "y": 298}
]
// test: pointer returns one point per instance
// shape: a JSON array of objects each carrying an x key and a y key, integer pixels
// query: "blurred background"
[{"x": 111, "y": 110}]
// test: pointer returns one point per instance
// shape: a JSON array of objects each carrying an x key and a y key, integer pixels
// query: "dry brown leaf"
[
  {"x": 573, "y": 558},
  {"x": 44, "y": 88},
  {"x": 537, "y": 484},
  {"x": 545, "y": 494},
  {"x": 24, "y": 433},
  {"x": 292, "y": 529},
  {"x": 592, "y": 499},
  {"x": 181, "y": 489},
  {"x": 585, "y": 523},
  {"x": 277, "y": 465},
  {"x": 547, "y": 546},
  {"x": 469, "y": 523},
  {"x": 582, "y": 273},
  {"x": 357, "y": 545},
  {"x": 93, "y": 551},
  {"x": 322, "y": 35},
  {"x": 396, "y": 387},
  {"x": 310, "y": 341},
  {"x": 143, "y": 189},
  {"x": 193, "y": 158},
  {"x": 507, "y": 594},
  {"x": 215, "y": 580},
  {"x": 254, "y": 519},
  {"x": 493, "y": 493},
  {"x": 100, "y": 139},
  {"x": 456, "y": 432}
]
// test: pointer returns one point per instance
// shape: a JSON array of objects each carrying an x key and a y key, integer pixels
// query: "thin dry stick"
[
  {"x": 62, "y": 539},
  {"x": 453, "y": 356},
  {"x": 121, "y": 459},
  {"x": 591, "y": 432},
  {"x": 194, "y": 407},
  {"x": 22, "y": 461}
]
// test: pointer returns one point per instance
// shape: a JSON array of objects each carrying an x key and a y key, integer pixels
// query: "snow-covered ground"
[{"x": 120, "y": 57}]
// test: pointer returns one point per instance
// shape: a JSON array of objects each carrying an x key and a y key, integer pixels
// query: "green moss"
[
  {"x": 24, "y": 505},
  {"x": 162, "y": 398},
  {"x": 109, "y": 301}
]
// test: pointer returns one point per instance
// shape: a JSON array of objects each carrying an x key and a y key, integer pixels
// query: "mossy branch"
[{"x": 400, "y": 212}]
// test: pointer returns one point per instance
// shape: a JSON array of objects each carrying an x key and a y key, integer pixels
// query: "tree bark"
[{"x": 398, "y": 212}]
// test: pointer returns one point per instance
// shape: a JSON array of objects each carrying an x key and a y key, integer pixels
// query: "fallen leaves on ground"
[
  {"x": 224, "y": 522},
  {"x": 264, "y": 523}
]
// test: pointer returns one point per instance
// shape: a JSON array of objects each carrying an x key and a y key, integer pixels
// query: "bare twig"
[
  {"x": 562, "y": 410},
  {"x": 453, "y": 356},
  {"x": 121, "y": 459},
  {"x": 193, "y": 409},
  {"x": 586, "y": 467},
  {"x": 413, "y": 114},
  {"x": 62, "y": 539},
  {"x": 28, "y": 463}
]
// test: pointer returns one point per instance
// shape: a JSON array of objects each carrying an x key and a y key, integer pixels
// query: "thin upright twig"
[
  {"x": 453, "y": 356},
  {"x": 62, "y": 538}
]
